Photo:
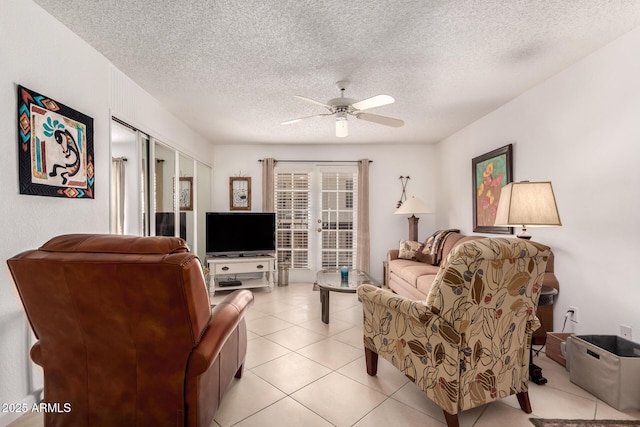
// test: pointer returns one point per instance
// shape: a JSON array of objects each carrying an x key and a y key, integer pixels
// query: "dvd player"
[{"x": 225, "y": 283}]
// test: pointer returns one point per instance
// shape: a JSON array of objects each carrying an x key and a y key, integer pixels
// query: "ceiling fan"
[{"x": 342, "y": 107}]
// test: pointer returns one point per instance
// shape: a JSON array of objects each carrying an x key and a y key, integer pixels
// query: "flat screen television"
[
  {"x": 240, "y": 234},
  {"x": 166, "y": 225}
]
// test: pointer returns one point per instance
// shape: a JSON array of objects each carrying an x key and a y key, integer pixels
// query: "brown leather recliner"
[{"x": 126, "y": 335}]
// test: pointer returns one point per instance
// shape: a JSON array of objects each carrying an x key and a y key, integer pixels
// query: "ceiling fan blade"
[
  {"x": 288, "y": 122},
  {"x": 342, "y": 128},
  {"x": 382, "y": 120},
  {"x": 375, "y": 101},
  {"x": 313, "y": 101}
]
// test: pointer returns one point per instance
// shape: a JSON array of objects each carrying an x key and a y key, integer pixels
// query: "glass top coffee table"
[{"x": 331, "y": 281}]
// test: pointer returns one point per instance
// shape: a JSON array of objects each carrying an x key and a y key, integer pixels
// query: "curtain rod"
[
  {"x": 123, "y": 123},
  {"x": 317, "y": 161}
]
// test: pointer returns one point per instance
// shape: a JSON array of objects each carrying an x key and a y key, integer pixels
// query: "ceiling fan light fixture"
[
  {"x": 342, "y": 127},
  {"x": 342, "y": 106}
]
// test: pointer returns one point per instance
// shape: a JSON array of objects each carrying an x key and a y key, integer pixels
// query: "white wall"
[
  {"x": 130, "y": 103},
  {"x": 41, "y": 54},
  {"x": 580, "y": 130},
  {"x": 389, "y": 163},
  {"x": 36, "y": 53}
]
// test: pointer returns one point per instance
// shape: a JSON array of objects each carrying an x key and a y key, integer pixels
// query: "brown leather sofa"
[{"x": 126, "y": 335}]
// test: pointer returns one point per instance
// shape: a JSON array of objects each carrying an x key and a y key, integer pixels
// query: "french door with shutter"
[{"x": 316, "y": 209}]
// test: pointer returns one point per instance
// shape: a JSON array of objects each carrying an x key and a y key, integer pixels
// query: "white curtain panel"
[
  {"x": 268, "y": 191},
  {"x": 363, "y": 259},
  {"x": 117, "y": 195},
  {"x": 159, "y": 185}
]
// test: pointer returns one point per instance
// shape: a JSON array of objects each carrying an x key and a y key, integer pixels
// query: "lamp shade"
[
  {"x": 527, "y": 204},
  {"x": 413, "y": 206}
]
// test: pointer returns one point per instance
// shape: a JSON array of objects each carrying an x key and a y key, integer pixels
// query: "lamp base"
[
  {"x": 413, "y": 228},
  {"x": 524, "y": 234}
]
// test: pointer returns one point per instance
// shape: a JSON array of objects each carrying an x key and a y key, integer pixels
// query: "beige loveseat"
[{"x": 413, "y": 279}]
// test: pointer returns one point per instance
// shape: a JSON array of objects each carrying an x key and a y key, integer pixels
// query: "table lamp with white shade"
[
  {"x": 412, "y": 207},
  {"x": 527, "y": 204}
]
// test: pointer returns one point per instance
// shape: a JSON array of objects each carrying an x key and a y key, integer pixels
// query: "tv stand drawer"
[{"x": 243, "y": 267}]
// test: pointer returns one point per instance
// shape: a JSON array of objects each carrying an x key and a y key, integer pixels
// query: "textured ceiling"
[{"x": 230, "y": 68}]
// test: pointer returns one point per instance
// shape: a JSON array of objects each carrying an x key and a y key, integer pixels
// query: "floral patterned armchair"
[{"x": 469, "y": 344}]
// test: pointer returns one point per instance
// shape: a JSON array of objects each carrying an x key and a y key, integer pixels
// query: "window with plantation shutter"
[
  {"x": 339, "y": 213},
  {"x": 316, "y": 211},
  {"x": 293, "y": 217}
]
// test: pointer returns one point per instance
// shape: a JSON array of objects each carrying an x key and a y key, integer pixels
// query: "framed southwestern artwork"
[
  {"x": 55, "y": 148},
  {"x": 491, "y": 172}
]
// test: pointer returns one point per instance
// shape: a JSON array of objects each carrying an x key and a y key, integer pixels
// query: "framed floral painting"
[{"x": 491, "y": 172}]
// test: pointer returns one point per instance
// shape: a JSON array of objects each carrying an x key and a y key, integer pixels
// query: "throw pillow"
[{"x": 408, "y": 249}]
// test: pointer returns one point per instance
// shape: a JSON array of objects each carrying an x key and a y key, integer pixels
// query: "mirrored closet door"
[
  {"x": 165, "y": 221},
  {"x": 157, "y": 190},
  {"x": 203, "y": 202},
  {"x": 186, "y": 202},
  {"x": 129, "y": 187}
]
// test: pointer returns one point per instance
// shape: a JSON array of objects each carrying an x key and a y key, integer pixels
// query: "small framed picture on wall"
[
  {"x": 240, "y": 193},
  {"x": 186, "y": 193}
]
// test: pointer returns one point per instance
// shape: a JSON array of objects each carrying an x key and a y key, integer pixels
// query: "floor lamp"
[
  {"x": 412, "y": 207},
  {"x": 529, "y": 204}
]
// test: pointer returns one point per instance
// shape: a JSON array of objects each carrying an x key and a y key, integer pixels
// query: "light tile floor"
[{"x": 301, "y": 372}]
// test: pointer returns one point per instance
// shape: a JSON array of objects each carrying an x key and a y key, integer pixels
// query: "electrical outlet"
[
  {"x": 625, "y": 331},
  {"x": 573, "y": 316}
]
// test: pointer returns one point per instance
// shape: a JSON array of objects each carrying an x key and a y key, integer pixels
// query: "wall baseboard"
[{"x": 8, "y": 417}]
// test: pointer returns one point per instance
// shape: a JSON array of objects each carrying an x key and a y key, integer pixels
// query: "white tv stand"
[{"x": 244, "y": 269}]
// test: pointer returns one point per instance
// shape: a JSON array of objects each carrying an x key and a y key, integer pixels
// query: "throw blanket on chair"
[{"x": 434, "y": 244}]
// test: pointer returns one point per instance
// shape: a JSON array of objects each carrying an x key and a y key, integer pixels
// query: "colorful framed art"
[
  {"x": 491, "y": 172},
  {"x": 55, "y": 148}
]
